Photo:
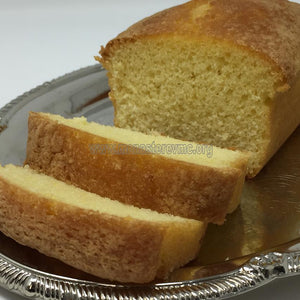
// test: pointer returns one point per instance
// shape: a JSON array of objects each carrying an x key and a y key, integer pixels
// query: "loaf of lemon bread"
[
  {"x": 223, "y": 72},
  {"x": 100, "y": 236},
  {"x": 149, "y": 171}
]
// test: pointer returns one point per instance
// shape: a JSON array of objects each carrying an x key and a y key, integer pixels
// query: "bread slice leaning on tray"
[
  {"x": 98, "y": 235},
  {"x": 128, "y": 166},
  {"x": 224, "y": 72}
]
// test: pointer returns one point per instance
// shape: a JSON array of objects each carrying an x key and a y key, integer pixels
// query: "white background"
[{"x": 41, "y": 40}]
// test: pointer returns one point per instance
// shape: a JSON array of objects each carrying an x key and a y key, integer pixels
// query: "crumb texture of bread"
[
  {"x": 224, "y": 72},
  {"x": 100, "y": 236},
  {"x": 192, "y": 187}
]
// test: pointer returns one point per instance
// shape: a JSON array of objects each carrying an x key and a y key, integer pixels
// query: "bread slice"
[
  {"x": 131, "y": 167},
  {"x": 226, "y": 73},
  {"x": 97, "y": 235}
]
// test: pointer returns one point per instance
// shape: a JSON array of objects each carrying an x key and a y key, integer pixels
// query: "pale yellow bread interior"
[
  {"x": 208, "y": 91},
  {"x": 208, "y": 155}
]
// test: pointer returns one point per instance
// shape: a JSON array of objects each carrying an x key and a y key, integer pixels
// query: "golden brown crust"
[
  {"x": 148, "y": 181},
  {"x": 269, "y": 28},
  {"x": 284, "y": 118},
  {"x": 111, "y": 247}
]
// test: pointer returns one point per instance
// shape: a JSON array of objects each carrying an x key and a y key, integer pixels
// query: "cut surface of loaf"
[
  {"x": 131, "y": 167},
  {"x": 97, "y": 235},
  {"x": 224, "y": 72}
]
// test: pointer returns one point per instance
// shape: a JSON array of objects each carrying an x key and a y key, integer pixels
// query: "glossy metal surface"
[{"x": 269, "y": 215}]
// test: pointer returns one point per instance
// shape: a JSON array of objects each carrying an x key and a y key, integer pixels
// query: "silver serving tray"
[{"x": 258, "y": 243}]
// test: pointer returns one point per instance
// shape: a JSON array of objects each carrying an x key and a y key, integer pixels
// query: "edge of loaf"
[
  {"x": 235, "y": 37},
  {"x": 188, "y": 185},
  {"x": 97, "y": 235}
]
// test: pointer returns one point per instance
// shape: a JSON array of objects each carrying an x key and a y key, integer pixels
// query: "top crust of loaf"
[{"x": 269, "y": 28}]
